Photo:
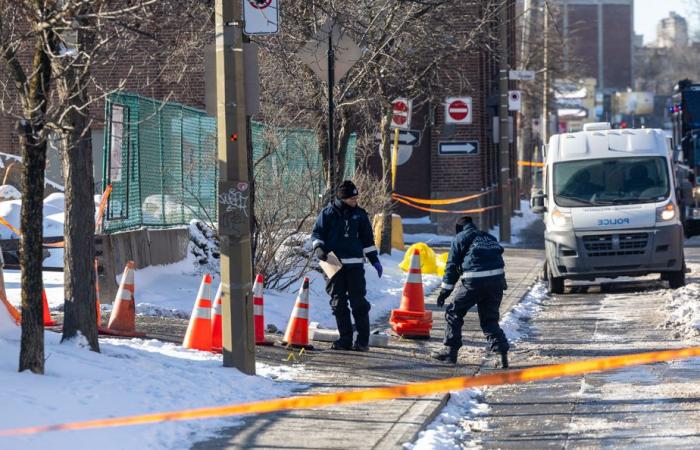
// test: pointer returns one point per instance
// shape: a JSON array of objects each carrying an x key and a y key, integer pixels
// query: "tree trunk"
[
  {"x": 79, "y": 223},
  {"x": 31, "y": 356},
  {"x": 385, "y": 153}
]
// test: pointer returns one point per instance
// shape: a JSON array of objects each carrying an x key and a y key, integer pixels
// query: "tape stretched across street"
[
  {"x": 462, "y": 211},
  {"x": 18, "y": 233},
  {"x": 376, "y": 394},
  {"x": 530, "y": 163},
  {"x": 449, "y": 201}
]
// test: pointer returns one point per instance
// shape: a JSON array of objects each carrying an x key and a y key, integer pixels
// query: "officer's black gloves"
[
  {"x": 321, "y": 253},
  {"x": 442, "y": 296}
]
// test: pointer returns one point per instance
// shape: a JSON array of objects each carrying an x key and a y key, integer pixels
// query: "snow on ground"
[
  {"x": 128, "y": 377},
  {"x": 434, "y": 240},
  {"x": 453, "y": 427},
  {"x": 683, "y": 307},
  {"x": 514, "y": 322}
]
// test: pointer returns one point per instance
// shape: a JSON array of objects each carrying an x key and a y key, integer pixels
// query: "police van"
[{"x": 610, "y": 207}]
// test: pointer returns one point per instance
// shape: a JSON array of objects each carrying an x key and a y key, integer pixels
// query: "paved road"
[{"x": 655, "y": 406}]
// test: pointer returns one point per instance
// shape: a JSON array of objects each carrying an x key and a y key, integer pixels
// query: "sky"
[{"x": 647, "y": 14}]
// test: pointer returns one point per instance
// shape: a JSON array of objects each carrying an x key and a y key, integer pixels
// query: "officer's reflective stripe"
[
  {"x": 317, "y": 242},
  {"x": 202, "y": 313},
  {"x": 414, "y": 278},
  {"x": 352, "y": 260},
  {"x": 449, "y": 287},
  {"x": 484, "y": 273},
  {"x": 258, "y": 310},
  {"x": 369, "y": 249}
]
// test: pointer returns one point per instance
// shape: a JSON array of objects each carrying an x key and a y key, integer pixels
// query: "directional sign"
[
  {"x": 260, "y": 16},
  {"x": 463, "y": 148},
  {"x": 406, "y": 137},
  {"x": 458, "y": 110},
  {"x": 522, "y": 75},
  {"x": 401, "y": 114}
]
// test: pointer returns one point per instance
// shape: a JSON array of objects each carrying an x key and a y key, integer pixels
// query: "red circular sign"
[
  {"x": 400, "y": 112},
  {"x": 458, "y": 110},
  {"x": 260, "y": 4}
]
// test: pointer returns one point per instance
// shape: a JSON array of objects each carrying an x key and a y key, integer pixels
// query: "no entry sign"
[
  {"x": 261, "y": 17},
  {"x": 401, "y": 114},
  {"x": 458, "y": 110}
]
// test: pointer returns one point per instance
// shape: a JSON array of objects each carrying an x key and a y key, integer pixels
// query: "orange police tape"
[
  {"x": 530, "y": 163},
  {"x": 448, "y": 201},
  {"x": 375, "y": 394},
  {"x": 18, "y": 233},
  {"x": 461, "y": 211}
]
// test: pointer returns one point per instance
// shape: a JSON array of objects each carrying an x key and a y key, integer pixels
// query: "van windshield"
[{"x": 611, "y": 181}]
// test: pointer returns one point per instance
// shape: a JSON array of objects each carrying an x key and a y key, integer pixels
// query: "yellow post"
[{"x": 394, "y": 158}]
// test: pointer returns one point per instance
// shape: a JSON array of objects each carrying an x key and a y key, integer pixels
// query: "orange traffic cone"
[
  {"x": 259, "y": 319},
  {"x": 97, "y": 295},
  {"x": 297, "y": 334},
  {"x": 16, "y": 316},
  {"x": 198, "y": 335},
  {"x": 48, "y": 321},
  {"x": 122, "y": 321},
  {"x": 411, "y": 320},
  {"x": 216, "y": 325}
]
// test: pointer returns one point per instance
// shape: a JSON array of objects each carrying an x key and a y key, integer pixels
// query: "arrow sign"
[
  {"x": 406, "y": 137},
  {"x": 465, "y": 148}
]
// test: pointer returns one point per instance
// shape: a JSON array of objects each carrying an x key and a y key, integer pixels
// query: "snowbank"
[{"x": 683, "y": 307}]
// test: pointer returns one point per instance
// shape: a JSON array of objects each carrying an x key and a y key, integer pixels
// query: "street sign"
[
  {"x": 401, "y": 113},
  {"x": 514, "y": 100},
  {"x": 260, "y": 17},
  {"x": 315, "y": 53},
  {"x": 522, "y": 75},
  {"x": 458, "y": 148},
  {"x": 458, "y": 110},
  {"x": 406, "y": 137}
]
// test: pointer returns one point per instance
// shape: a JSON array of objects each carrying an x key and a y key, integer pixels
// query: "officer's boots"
[
  {"x": 504, "y": 360},
  {"x": 446, "y": 354}
]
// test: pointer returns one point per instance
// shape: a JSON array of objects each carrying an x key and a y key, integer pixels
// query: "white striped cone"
[
  {"x": 198, "y": 335},
  {"x": 297, "y": 333},
  {"x": 258, "y": 310}
]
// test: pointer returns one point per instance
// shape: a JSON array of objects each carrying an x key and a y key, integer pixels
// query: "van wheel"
[
  {"x": 555, "y": 285},
  {"x": 675, "y": 279}
]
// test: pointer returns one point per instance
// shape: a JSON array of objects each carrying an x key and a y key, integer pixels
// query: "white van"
[{"x": 610, "y": 208}]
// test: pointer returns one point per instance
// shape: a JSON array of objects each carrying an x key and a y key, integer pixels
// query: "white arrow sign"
[{"x": 406, "y": 137}]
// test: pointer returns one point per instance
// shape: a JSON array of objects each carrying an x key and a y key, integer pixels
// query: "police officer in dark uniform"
[
  {"x": 475, "y": 272},
  {"x": 344, "y": 229}
]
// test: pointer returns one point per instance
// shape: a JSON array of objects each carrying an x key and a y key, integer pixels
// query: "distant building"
[
  {"x": 672, "y": 31},
  {"x": 600, "y": 37}
]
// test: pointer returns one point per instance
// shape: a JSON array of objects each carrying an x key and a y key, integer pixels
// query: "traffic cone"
[
  {"x": 216, "y": 325},
  {"x": 48, "y": 321},
  {"x": 411, "y": 320},
  {"x": 16, "y": 316},
  {"x": 258, "y": 311},
  {"x": 199, "y": 335},
  {"x": 297, "y": 334},
  {"x": 122, "y": 321},
  {"x": 97, "y": 296}
]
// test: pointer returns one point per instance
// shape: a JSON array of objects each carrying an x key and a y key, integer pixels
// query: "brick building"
[
  {"x": 601, "y": 39},
  {"x": 432, "y": 174}
]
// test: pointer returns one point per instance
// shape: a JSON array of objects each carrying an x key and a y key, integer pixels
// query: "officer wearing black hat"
[{"x": 343, "y": 228}]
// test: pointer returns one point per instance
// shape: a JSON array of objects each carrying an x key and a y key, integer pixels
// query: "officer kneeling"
[{"x": 475, "y": 266}]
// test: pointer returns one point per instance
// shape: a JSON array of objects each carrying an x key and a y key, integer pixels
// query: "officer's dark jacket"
[
  {"x": 345, "y": 231},
  {"x": 461, "y": 262}
]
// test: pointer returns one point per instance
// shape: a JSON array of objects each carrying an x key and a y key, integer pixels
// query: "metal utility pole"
[
  {"x": 545, "y": 94},
  {"x": 234, "y": 190},
  {"x": 503, "y": 128},
  {"x": 331, "y": 114}
]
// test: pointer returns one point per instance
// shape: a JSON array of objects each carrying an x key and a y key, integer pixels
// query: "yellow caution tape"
[
  {"x": 530, "y": 163},
  {"x": 376, "y": 394},
  {"x": 10, "y": 226}
]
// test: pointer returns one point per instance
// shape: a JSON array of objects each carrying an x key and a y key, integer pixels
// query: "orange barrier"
[
  {"x": 418, "y": 389},
  {"x": 449, "y": 201},
  {"x": 216, "y": 323},
  {"x": 198, "y": 335},
  {"x": 411, "y": 319},
  {"x": 101, "y": 208},
  {"x": 297, "y": 334},
  {"x": 447, "y": 211},
  {"x": 48, "y": 321},
  {"x": 122, "y": 321},
  {"x": 530, "y": 164}
]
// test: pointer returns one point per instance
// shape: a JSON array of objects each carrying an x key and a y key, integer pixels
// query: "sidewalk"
[{"x": 386, "y": 424}]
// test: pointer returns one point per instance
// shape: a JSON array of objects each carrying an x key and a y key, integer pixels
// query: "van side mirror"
[{"x": 537, "y": 202}]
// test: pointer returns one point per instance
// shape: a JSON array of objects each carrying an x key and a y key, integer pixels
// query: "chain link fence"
[{"x": 161, "y": 161}]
